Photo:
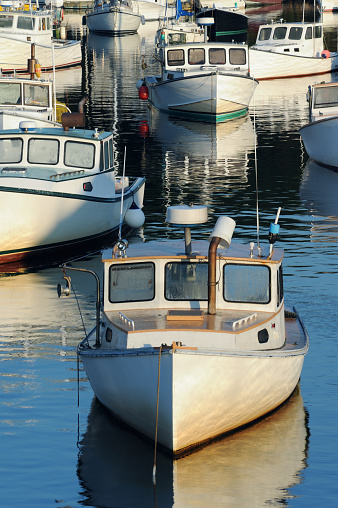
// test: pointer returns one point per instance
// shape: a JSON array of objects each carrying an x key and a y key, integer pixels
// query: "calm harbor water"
[{"x": 55, "y": 453}]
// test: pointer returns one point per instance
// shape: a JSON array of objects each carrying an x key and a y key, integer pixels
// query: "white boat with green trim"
[
  {"x": 192, "y": 341},
  {"x": 207, "y": 81},
  {"x": 59, "y": 189}
]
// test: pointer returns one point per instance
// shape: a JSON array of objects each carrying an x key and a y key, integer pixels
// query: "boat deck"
[{"x": 133, "y": 322}]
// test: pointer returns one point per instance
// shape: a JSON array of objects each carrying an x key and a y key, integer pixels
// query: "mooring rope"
[{"x": 156, "y": 425}]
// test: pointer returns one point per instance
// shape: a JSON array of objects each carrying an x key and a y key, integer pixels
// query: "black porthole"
[{"x": 263, "y": 336}]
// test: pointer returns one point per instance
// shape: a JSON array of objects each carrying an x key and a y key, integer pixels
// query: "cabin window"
[
  {"x": 11, "y": 150},
  {"x": 177, "y": 38},
  {"x": 36, "y": 95},
  {"x": 106, "y": 155},
  {"x": 48, "y": 23},
  {"x": 43, "y": 151},
  {"x": 111, "y": 152},
  {"x": 308, "y": 33},
  {"x": 175, "y": 57},
  {"x": 186, "y": 281},
  {"x": 25, "y": 23},
  {"x": 326, "y": 97},
  {"x": 10, "y": 93},
  {"x": 295, "y": 33},
  {"x": 6, "y": 21},
  {"x": 265, "y": 34},
  {"x": 280, "y": 292},
  {"x": 217, "y": 56},
  {"x": 131, "y": 282},
  {"x": 279, "y": 33},
  {"x": 237, "y": 56},
  {"x": 79, "y": 155},
  {"x": 318, "y": 32},
  {"x": 246, "y": 283},
  {"x": 196, "y": 56}
]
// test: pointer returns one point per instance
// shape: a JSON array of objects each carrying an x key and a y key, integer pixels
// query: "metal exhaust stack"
[{"x": 220, "y": 237}]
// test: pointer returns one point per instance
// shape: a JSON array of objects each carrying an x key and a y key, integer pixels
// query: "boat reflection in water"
[
  {"x": 268, "y": 458},
  {"x": 318, "y": 190}
]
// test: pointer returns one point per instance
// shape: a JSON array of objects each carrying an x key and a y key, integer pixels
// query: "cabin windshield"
[
  {"x": 186, "y": 281},
  {"x": 79, "y": 155},
  {"x": 246, "y": 283},
  {"x": 10, "y": 93},
  {"x": 10, "y": 150},
  {"x": 26, "y": 22},
  {"x": 6, "y": 21},
  {"x": 36, "y": 95},
  {"x": 326, "y": 97},
  {"x": 43, "y": 151},
  {"x": 131, "y": 282},
  {"x": 280, "y": 33}
]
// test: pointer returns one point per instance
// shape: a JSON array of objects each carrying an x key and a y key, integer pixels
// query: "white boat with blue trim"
[
  {"x": 193, "y": 342},
  {"x": 59, "y": 189}
]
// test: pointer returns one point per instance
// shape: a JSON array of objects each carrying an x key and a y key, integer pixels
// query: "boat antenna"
[
  {"x": 122, "y": 195},
  {"x": 256, "y": 176}
]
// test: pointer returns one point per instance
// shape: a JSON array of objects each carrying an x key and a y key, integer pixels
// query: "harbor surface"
[{"x": 58, "y": 453}]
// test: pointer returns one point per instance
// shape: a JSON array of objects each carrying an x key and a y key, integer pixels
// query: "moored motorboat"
[
  {"x": 285, "y": 50},
  {"x": 59, "y": 190},
  {"x": 320, "y": 134},
  {"x": 29, "y": 99},
  {"x": 20, "y": 28},
  {"x": 193, "y": 343},
  {"x": 113, "y": 17},
  {"x": 207, "y": 81}
]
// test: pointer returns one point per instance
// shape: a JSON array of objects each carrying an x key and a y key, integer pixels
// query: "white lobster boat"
[
  {"x": 290, "y": 50},
  {"x": 19, "y": 29},
  {"x": 193, "y": 343},
  {"x": 207, "y": 81},
  {"x": 111, "y": 17},
  {"x": 58, "y": 189},
  {"x": 320, "y": 134}
]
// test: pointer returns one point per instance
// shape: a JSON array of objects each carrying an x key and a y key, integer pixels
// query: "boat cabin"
[
  {"x": 20, "y": 94},
  {"x": 53, "y": 153},
  {"x": 156, "y": 286},
  {"x": 303, "y": 39},
  {"x": 24, "y": 25},
  {"x": 323, "y": 100},
  {"x": 189, "y": 59}
]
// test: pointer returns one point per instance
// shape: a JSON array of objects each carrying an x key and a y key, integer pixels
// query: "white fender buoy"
[{"x": 134, "y": 217}]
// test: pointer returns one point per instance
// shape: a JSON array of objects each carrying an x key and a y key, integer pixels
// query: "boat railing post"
[{"x": 98, "y": 298}]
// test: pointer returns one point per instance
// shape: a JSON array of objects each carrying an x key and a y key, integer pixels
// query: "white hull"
[
  {"x": 271, "y": 65},
  {"x": 69, "y": 216},
  {"x": 320, "y": 141},
  {"x": 14, "y": 54},
  {"x": 202, "y": 394},
  {"x": 113, "y": 21},
  {"x": 213, "y": 97},
  {"x": 11, "y": 119}
]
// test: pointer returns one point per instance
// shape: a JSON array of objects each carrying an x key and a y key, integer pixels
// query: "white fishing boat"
[
  {"x": 329, "y": 5},
  {"x": 192, "y": 342},
  {"x": 29, "y": 99},
  {"x": 20, "y": 28},
  {"x": 59, "y": 190},
  {"x": 320, "y": 134},
  {"x": 286, "y": 50},
  {"x": 111, "y": 17},
  {"x": 208, "y": 81}
]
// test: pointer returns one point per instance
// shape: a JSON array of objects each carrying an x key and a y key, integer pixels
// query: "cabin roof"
[
  {"x": 58, "y": 132},
  {"x": 176, "y": 248}
]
